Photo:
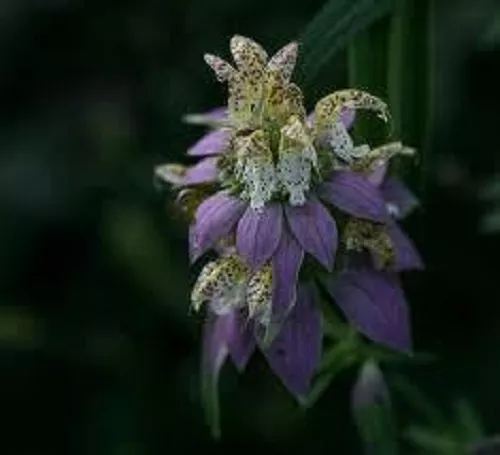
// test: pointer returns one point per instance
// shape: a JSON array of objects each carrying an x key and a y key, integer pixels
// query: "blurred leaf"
[
  {"x": 490, "y": 223},
  {"x": 410, "y": 80},
  {"x": 417, "y": 399},
  {"x": 378, "y": 431},
  {"x": 491, "y": 190},
  {"x": 491, "y": 37},
  {"x": 367, "y": 67},
  {"x": 434, "y": 441},
  {"x": 137, "y": 244},
  {"x": 382, "y": 354},
  {"x": 489, "y": 446},
  {"x": 340, "y": 357},
  {"x": 334, "y": 27},
  {"x": 469, "y": 422},
  {"x": 210, "y": 403},
  {"x": 19, "y": 328}
]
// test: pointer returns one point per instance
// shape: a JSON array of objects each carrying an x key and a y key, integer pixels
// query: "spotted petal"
[
  {"x": 354, "y": 194},
  {"x": 215, "y": 218},
  {"x": 374, "y": 302},
  {"x": 347, "y": 117},
  {"x": 283, "y": 62},
  {"x": 248, "y": 54},
  {"x": 328, "y": 108},
  {"x": 295, "y": 353},
  {"x": 258, "y": 234},
  {"x": 221, "y": 68},
  {"x": 315, "y": 230}
]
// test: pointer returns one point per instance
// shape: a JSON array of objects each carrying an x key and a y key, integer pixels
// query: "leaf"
[
  {"x": 378, "y": 431},
  {"x": 334, "y": 27},
  {"x": 337, "y": 359},
  {"x": 410, "y": 80},
  {"x": 210, "y": 402},
  {"x": 367, "y": 68},
  {"x": 488, "y": 446},
  {"x": 490, "y": 223},
  {"x": 418, "y": 401},
  {"x": 491, "y": 37},
  {"x": 469, "y": 423},
  {"x": 491, "y": 190},
  {"x": 433, "y": 441}
]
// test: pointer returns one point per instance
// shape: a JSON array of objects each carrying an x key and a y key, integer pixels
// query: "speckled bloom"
[{"x": 277, "y": 192}]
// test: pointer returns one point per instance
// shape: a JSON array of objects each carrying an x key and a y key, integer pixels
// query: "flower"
[
  {"x": 374, "y": 302},
  {"x": 372, "y": 411},
  {"x": 293, "y": 355},
  {"x": 370, "y": 297},
  {"x": 370, "y": 388},
  {"x": 275, "y": 188}
]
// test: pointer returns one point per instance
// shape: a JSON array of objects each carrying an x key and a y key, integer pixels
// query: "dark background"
[{"x": 98, "y": 353}]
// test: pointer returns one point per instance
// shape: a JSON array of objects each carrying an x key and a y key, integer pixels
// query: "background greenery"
[{"x": 98, "y": 352}]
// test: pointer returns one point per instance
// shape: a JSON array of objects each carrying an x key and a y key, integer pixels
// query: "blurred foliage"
[
  {"x": 335, "y": 25},
  {"x": 98, "y": 352}
]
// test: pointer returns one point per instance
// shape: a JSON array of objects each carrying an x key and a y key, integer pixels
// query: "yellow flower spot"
[
  {"x": 221, "y": 282},
  {"x": 328, "y": 109},
  {"x": 259, "y": 295},
  {"x": 362, "y": 234}
]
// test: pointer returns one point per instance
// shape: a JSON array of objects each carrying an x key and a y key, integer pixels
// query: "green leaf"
[
  {"x": 490, "y": 223},
  {"x": 385, "y": 355},
  {"x": 491, "y": 37},
  {"x": 210, "y": 403},
  {"x": 410, "y": 84},
  {"x": 334, "y": 27},
  {"x": 418, "y": 401},
  {"x": 367, "y": 68},
  {"x": 340, "y": 357},
  {"x": 486, "y": 446},
  {"x": 433, "y": 441},
  {"x": 469, "y": 423},
  {"x": 491, "y": 190},
  {"x": 377, "y": 429}
]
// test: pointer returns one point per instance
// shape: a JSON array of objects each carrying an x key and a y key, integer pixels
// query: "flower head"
[{"x": 276, "y": 189}]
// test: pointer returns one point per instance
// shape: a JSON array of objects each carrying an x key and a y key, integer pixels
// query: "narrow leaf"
[{"x": 334, "y": 27}]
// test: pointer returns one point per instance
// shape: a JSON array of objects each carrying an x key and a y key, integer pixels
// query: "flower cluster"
[{"x": 278, "y": 194}]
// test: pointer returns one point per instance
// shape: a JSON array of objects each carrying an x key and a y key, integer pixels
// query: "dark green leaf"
[
  {"x": 469, "y": 422},
  {"x": 367, "y": 57},
  {"x": 410, "y": 80},
  {"x": 334, "y": 27},
  {"x": 210, "y": 402},
  {"x": 418, "y": 401}
]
